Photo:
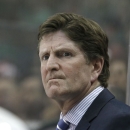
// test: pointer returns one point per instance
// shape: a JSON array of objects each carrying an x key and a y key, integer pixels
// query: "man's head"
[{"x": 85, "y": 33}]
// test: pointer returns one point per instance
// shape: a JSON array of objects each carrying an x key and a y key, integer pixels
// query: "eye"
[
  {"x": 45, "y": 57},
  {"x": 64, "y": 54}
]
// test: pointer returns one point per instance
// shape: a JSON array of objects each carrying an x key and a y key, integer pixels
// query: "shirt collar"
[{"x": 75, "y": 114}]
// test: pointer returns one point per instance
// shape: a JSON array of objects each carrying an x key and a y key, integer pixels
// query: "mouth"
[{"x": 55, "y": 78}]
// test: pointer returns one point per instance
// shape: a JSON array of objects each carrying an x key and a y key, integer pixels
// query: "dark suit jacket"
[{"x": 106, "y": 113}]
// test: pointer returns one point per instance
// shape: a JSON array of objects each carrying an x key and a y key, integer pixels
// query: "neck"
[{"x": 68, "y": 104}]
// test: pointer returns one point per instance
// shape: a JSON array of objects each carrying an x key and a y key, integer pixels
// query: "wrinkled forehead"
[
  {"x": 56, "y": 39},
  {"x": 44, "y": 37},
  {"x": 57, "y": 42}
]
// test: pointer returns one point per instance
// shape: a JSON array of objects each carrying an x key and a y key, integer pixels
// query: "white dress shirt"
[{"x": 76, "y": 113}]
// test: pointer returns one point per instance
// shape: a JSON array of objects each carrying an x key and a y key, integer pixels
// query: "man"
[{"x": 75, "y": 70}]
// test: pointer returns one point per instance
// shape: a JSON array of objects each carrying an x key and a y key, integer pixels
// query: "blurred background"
[{"x": 21, "y": 90}]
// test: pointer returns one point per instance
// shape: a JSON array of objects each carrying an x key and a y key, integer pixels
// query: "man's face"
[{"x": 64, "y": 69}]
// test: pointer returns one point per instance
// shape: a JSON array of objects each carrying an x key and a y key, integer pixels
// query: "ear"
[{"x": 97, "y": 66}]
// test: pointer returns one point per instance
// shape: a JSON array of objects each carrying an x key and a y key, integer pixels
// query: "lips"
[{"x": 55, "y": 77}]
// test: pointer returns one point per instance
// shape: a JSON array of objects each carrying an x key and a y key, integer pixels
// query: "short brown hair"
[{"x": 86, "y": 33}]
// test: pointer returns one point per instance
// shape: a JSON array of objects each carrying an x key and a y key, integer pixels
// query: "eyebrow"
[
  {"x": 67, "y": 48},
  {"x": 58, "y": 48}
]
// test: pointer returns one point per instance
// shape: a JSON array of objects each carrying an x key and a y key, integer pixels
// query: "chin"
[{"x": 52, "y": 92}]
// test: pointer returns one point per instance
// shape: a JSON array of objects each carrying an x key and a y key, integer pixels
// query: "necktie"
[{"x": 62, "y": 125}]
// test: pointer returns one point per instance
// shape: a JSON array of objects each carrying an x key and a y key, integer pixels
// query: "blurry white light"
[{"x": 5, "y": 126}]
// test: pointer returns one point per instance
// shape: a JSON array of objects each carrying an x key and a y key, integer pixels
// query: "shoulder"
[
  {"x": 107, "y": 113},
  {"x": 114, "y": 106},
  {"x": 114, "y": 115},
  {"x": 117, "y": 115},
  {"x": 110, "y": 107}
]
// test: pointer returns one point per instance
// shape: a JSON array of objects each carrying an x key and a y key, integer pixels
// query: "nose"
[{"x": 52, "y": 64}]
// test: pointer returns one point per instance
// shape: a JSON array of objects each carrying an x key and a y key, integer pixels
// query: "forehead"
[
  {"x": 55, "y": 36},
  {"x": 57, "y": 40}
]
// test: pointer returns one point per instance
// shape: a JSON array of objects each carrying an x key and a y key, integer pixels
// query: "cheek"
[
  {"x": 82, "y": 75},
  {"x": 74, "y": 74},
  {"x": 70, "y": 72},
  {"x": 43, "y": 73}
]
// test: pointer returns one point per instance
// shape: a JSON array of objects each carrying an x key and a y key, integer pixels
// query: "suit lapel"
[{"x": 102, "y": 99}]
